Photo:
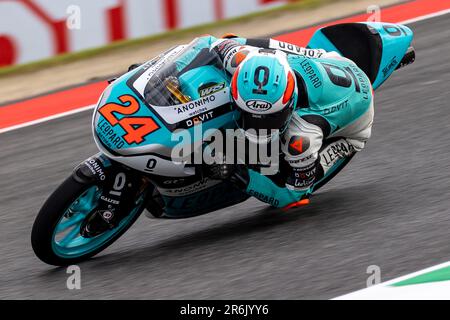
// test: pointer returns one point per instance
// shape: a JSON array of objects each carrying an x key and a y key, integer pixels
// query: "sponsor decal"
[
  {"x": 109, "y": 200},
  {"x": 210, "y": 88},
  {"x": 284, "y": 46},
  {"x": 298, "y": 145},
  {"x": 152, "y": 62},
  {"x": 390, "y": 66},
  {"x": 311, "y": 74},
  {"x": 263, "y": 197},
  {"x": 136, "y": 128},
  {"x": 226, "y": 46},
  {"x": 335, "y": 108},
  {"x": 155, "y": 164},
  {"x": 95, "y": 168},
  {"x": 151, "y": 165},
  {"x": 302, "y": 184},
  {"x": 151, "y": 68},
  {"x": 194, "y": 104},
  {"x": 200, "y": 118},
  {"x": 227, "y": 59},
  {"x": 364, "y": 84},
  {"x": 107, "y": 215},
  {"x": 258, "y": 105},
  {"x": 178, "y": 114},
  {"x": 173, "y": 182},
  {"x": 203, "y": 115},
  {"x": 297, "y": 161},
  {"x": 334, "y": 152},
  {"x": 302, "y": 177},
  {"x": 189, "y": 189},
  {"x": 108, "y": 136},
  {"x": 267, "y": 51}
]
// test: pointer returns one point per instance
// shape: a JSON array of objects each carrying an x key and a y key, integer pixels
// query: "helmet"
[{"x": 264, "y": 89}]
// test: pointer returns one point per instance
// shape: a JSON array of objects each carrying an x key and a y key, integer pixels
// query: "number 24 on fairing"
[{"x": 136, "y": 128}]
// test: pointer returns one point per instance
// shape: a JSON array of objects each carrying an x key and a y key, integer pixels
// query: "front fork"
[{"x": 120, "y": 186}]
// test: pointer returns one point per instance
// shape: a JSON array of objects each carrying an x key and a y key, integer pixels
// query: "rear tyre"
[
  {"x": 408, "y": 58},
  {"x": 56, "y": 238}
]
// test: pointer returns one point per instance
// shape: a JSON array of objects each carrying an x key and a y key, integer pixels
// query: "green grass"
[{"x": 120, "y": 45}]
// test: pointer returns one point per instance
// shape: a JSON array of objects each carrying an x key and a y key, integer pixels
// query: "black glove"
[{"x": 236, "y": 174}]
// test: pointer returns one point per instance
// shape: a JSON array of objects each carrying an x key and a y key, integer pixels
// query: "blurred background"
[{"x": 97, "y": 39}]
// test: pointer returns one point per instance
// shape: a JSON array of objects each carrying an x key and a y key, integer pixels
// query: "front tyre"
[{"x": 56, "y": 237}]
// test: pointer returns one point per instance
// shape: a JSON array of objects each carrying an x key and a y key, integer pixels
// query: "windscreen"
[{"x": 179, "y": 77}]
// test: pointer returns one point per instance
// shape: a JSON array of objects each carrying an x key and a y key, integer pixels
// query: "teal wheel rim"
[{"x": 67, "y": 242}]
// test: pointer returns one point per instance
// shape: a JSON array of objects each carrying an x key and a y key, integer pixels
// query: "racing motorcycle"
[{"x": 133, "y": 125}]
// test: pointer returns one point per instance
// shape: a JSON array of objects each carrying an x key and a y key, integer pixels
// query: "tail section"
[{"x": 377, "y": 48}]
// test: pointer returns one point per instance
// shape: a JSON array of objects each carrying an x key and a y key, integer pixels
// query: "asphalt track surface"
[{"x": 390, "y": 207}]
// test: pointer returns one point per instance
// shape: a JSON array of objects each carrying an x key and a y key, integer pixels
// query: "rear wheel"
[{"x": 56, "y": 237}]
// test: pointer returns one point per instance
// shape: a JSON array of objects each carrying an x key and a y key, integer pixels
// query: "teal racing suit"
[
  {"x": 335, "y": 106},
  {"x": 333, "y": 116}
]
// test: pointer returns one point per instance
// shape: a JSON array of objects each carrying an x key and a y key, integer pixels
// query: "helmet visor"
[{"x": 270, "y": 121}]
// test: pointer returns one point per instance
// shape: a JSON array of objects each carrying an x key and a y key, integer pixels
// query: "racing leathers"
[{"x": 333, "y": 118}]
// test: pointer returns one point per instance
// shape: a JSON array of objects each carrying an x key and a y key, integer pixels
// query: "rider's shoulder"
[{"x": 324, "y": 77}]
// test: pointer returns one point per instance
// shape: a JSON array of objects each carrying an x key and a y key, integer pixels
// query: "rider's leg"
[
  {"x": 358, "y": 132},
  {"x": 340, "y": 147}
]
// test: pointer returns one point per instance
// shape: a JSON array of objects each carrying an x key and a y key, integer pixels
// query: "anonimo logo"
[{"x": 258, "y": 105}]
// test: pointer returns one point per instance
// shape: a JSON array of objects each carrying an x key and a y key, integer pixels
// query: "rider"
[{"x": 321, "y": 103}]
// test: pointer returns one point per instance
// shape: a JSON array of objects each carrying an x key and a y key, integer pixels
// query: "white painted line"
[
  {"x": 384, "y": 291},
  {"x": 426, "y": 17},
  {"x": 60, "y": 115},
  {"x": 56, "y": 116}
]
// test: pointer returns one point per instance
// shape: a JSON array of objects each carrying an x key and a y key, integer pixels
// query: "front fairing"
[{"x": 135, "y": 116}]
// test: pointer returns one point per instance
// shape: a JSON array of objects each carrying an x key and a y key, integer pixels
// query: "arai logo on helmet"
[{"x": 258, "y": 105}]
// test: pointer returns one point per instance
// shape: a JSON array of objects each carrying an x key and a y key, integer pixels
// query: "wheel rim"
[{"x": 67, "y": 242}]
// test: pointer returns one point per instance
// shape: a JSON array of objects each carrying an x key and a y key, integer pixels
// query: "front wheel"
[{"x": 56, "y": 237}]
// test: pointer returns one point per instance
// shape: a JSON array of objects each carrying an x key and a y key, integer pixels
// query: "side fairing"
[{"x": 396, "y": 41}]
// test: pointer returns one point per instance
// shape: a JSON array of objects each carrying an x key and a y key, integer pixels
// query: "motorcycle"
[{"x": 133, "y": 126}]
